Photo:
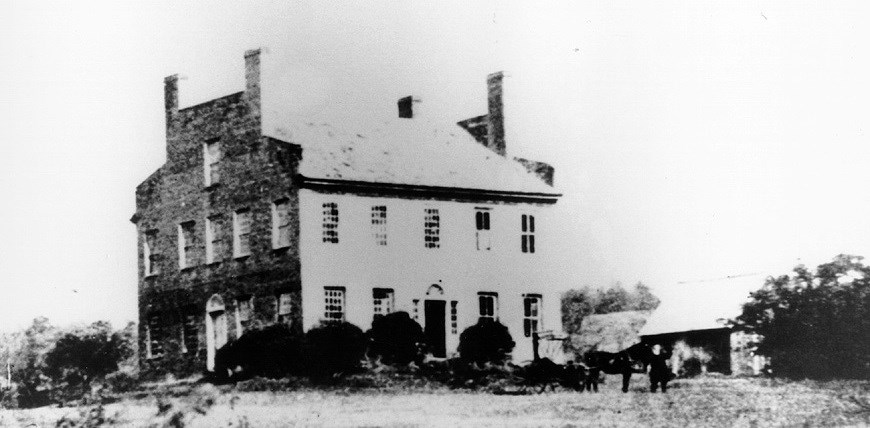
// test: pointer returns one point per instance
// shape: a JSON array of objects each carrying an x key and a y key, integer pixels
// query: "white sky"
[{"x": 693, "y": 139}]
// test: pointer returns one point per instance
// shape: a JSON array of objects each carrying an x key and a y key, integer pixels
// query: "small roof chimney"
[{"x": 406, "y": 106}]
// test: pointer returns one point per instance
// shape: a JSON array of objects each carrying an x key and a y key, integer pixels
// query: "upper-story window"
[
  {"x": 383, "y": 301},
  {"x": 215, "y": 250},
  {"x": 186, "y": 245},
  {"x": 481, "y": 221},
  {"x": 242, "y": 233},
  {"x": 211, "y": 152},
  {"x": 281, "y": 223},
  {"x": 488, "y": 305},
  {"x": 531, "y": 313},
  {"x": 333, "y": 304},
  {"x": 528, "y": 233},
  {"x": 432, "y": 228},
  {"x": 149, "y": 253},
  {"x": 330, "y": 222},
  {"x": 379, "y": 224}
]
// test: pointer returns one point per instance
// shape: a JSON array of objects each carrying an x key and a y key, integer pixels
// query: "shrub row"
[{"x": 338, "y": 348}]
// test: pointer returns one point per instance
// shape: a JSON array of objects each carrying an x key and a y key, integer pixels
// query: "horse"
[
  {"x": 633, "y": 359},
  {"x": 545, "y": 373}
]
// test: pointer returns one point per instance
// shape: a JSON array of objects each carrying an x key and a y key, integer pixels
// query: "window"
[
  {"x": 432, "y": 228},
  {"x": 242, "y": 233},
  {"x": 528, "y": 235},
  {"x": 244, "y": 312},
  {"x": 189, "y": 332},
  {"x": 481, "y": 220},
  {"x": 383, "y": 299},
  {"x": 214, "y": 243},
  {"x": 416, "y": 310},
  {"x": 531, "y": 313},
  {"x": 186, "y": 245},
  {"x": 488, "y": 305},
  {"x": 149, "y": 253},
  {"x": 153, "y": 336},
  {"x": 333, "y": 309},
  {"x": 379, "y": 224},
  {"x": 330, "y": 222},
  {"x": 211, "y": 152},
  {"x": 285, "y": 307},
  {"x": 281, "y": 224},
  {"x": 454, "y": 327}
]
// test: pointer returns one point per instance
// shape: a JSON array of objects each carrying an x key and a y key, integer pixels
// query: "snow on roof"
[
  {"x": 700, "y": 305},
  {"x": 406, "y": 151}
]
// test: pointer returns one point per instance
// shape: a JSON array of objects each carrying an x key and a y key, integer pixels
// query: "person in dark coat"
[
  {"x": 659, "y": 373},
  {"x": 571, "y": 377}
]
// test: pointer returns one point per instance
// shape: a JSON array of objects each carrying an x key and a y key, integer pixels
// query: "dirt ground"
[{"x": 697, "y": 402}]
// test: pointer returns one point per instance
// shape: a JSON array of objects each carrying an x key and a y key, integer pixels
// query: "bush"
[
  {"x": 122, "y": 381},
  {"x": 487, "y": 341},
  {"x": 333, "y": 348},
  {"x": 395, "y": 338},
  {"x": 273, "y": 352},
  {"x": 84, "y": 357},
  {"x": 690, "y": 361}
]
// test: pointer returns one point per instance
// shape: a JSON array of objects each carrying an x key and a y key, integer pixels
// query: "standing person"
[
  {"x": 571, "y": 376},
  {"x": 659, "y": 373}
]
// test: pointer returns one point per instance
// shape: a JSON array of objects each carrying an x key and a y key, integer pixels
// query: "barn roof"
[
  {"x": 700, "y": 305},
  {"x": 408, "y": 152}
]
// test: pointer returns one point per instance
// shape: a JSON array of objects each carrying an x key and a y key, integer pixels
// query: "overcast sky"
[{"x": 693, "y": 139}]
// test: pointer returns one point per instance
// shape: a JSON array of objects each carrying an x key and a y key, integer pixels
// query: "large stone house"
[{"x": 304, "y": 223}]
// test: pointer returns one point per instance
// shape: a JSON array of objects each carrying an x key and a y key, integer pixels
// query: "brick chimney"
[
  {"x": 489, "y": 129},
  {"x": 495, "y": 126},
  {"x": 252, "y": 81},
  {"x": 407, "y": 106},
  {"x": 170, "y": 99}
]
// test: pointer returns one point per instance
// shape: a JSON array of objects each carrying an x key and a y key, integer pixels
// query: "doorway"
[
  {"x": 435, "y": 330},
  {"x": 215, "y": 328}
]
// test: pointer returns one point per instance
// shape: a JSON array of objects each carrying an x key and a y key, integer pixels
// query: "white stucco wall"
[{"x": 405, "y": 265}]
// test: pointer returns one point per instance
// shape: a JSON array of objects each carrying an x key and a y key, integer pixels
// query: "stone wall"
[{"x": 255, "y": 172}]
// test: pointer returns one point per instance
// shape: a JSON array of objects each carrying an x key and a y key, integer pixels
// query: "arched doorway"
[
  {"x": 434, "y": 308},
  {"x": 215, "y": 328}
]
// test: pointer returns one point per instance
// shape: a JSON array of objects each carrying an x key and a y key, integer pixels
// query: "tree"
[
  {"x": 576, "y": 305},
  {"x": 28, "y": 364},
  {"x": 85, "y": 355},
  {"x": 615, "y": 299},
  {"x": 642, "y": 299},
  {"x": 814, "y": 324}
]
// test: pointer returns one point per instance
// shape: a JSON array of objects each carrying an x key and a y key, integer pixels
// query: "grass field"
[{"x": 696, "y": 402}]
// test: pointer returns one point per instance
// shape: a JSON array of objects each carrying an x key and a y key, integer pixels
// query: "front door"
[
  {"x": 434, "y": 330},
  {"x": 216, "y": 335}
]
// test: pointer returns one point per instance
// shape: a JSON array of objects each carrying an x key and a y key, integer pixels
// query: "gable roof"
[
  {"x": 408, "y": 152},
  {"x": 700, "y": 305}
]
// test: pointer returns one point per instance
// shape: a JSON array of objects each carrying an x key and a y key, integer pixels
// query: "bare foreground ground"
[{"x": 696, "y": 402}]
